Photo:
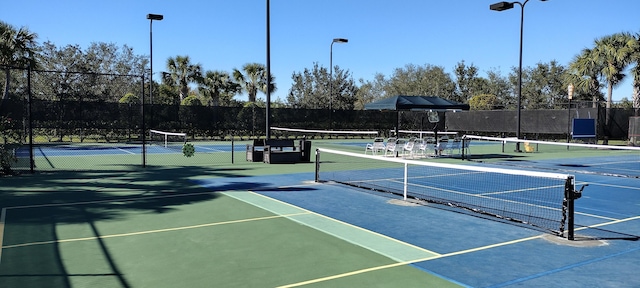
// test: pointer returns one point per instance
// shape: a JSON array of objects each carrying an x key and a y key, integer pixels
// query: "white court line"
[
  {"x": 376, "y": 268},
  {"x": 611, "y": 185},
  {"x": 144, "y": 232},
  {"x": 390, "y": 247},
  {"x": 398, "y": 264},
  {"x": 206, "y": 148},
  {"x": 125, "y": 151},
  {"x": 609, "y": 223}
]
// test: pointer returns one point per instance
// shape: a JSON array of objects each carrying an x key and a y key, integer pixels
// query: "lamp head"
[
  {"x": 340, "y": 40},
  {"x": 155, "y": 17},
  {"x": 501, "y": 6}
]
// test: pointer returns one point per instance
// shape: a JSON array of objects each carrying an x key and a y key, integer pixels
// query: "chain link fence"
[{"x": 54, "y": 120}]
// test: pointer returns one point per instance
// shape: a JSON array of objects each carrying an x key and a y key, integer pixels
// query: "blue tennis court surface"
[
  {"x": 477, "y": 252},
  {"x": 118, "y": 149},
  {"x": 620, "y": 165}
]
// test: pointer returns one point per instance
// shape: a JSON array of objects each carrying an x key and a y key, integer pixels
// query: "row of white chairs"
[{"x": 415, "y": 147}]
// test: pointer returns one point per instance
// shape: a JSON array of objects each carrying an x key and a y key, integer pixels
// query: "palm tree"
[
  {"x": 216, "y": 84},
  {"x": 613, "y": 52},
  {"x": 254, "y": 80},
  {"x": 635, "y": 72},
  {"x": 16, "y": 49},
  {"x": 182, "y": 73},
  {"x": 584, "y": 73}
]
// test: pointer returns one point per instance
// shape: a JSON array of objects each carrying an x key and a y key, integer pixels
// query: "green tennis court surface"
[
  {"x": 194, "y": 224},
  {"x": 113, "y": 231}
]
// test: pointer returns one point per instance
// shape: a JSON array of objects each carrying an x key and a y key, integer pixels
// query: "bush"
[{"x": 9, "y": 140}]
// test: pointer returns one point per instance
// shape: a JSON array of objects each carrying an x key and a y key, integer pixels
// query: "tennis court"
[
  {"x": 193, "y": 224},
  {"x": 52, "y": 150},
  {"x": 116, "y": 156}
]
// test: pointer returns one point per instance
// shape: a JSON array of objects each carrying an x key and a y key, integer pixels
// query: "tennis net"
[
  {"x": 610, "y": 160},
  {"x": 169, "y": 140},
  {"x": 540, "y": 200},
  {"x": 311, "y": 133}
]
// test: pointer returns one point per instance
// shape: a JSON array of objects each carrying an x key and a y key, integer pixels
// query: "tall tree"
[
  {"x": 542, "y": 86},
  {"x": 254, "y": 79},
  {"x": 97, "y": 73},
  {"x": 585, "y": 73},
  {"x": 613, "y": 51},
  {"x": 427, "y": 80},
  {"x": 468, "y": 82},
  {"x": 499, "y": 86},
  {"x": 17, "y": 47},
  {"x": 483, "y": 102},
  {"x": 310, "y": 89},
  {"x": 182, "y": 73},
  {"x": 370, "y": 91},
  {"x": 60, "y": 85},
  {"x": 218, "y": 87},
  {"x": 344, "y": 90},
  {"x": 635, "y": 72}
]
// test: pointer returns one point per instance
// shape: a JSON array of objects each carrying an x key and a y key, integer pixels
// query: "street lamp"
[
  {"x": 501, "y": 6},
  {"x": 151, "y": 17},
  {"x": 570, "y": 89},
  {"x": 335, "y": 40}
]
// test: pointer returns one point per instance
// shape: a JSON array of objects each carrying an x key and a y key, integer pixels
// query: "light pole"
[
  {"x": 570, "y": 96},
  {"x": 268, "y": 110},
  {"x": 335, "y": 40},
  {"x": 501, "y": 6},
  {"x": 151, "y": 17}
]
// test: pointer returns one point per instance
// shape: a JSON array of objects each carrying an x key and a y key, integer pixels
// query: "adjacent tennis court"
[
  {"x": 194, "y": 224},
  {"x": 52, "y": 150}
]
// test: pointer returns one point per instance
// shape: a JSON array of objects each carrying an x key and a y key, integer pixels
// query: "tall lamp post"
[
  {"x": 335, "y": 40},
  {"x": 570, "y": 96},
  {"x": 268, "y": 110},
  {"x": 501, "y": 6},
  {"x": 151, "y": 17}
]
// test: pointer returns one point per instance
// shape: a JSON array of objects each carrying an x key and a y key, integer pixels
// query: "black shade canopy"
[{"x": 397, "y": 103}]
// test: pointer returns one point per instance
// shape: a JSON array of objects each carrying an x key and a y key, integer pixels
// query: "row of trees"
[{"x": 544, "y": 85}]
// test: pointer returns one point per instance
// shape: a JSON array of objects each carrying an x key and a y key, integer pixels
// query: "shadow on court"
[
  {"x": 97, "y": 196},
  {"x": 472, "y": 251}
]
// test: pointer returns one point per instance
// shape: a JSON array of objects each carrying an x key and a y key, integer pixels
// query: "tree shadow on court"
[{"x": 36, "y": 204}]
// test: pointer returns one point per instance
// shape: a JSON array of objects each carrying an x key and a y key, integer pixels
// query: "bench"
[
  {"x": 279, "y": 151},
  {"x": 282, "y": 151}
]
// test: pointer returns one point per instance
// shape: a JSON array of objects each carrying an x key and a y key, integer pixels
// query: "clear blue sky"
[{"x": 383, "y": 35}]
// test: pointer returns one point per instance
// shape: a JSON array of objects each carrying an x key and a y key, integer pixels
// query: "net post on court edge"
[
  {"x": 317, "y": 165},
  {"x": 571, "y": 194}
]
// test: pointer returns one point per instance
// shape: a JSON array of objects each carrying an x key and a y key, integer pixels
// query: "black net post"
[
  {"x": 571, "y": 195},
  {"x": 464, "y": 140},
  {"x": 317, "y": 165},
  {"x": 30, "y": 120},
  {"x": 143, "y": 128}
]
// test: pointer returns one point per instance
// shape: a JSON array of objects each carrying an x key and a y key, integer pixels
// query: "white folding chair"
[
  {"x": 408, "y": 149},
  {"x": 395, "y": 148},
  {"x": 375, "y": 147}
]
